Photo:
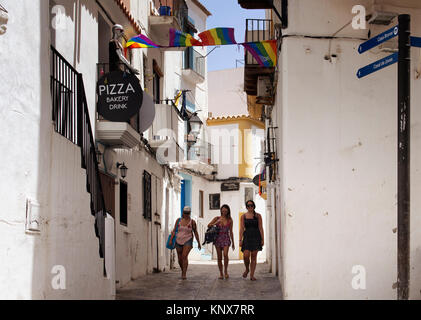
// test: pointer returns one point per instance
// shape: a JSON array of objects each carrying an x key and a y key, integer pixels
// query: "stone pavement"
[{"x": 203, "y": 284}]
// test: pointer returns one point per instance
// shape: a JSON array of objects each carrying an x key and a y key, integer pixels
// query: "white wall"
[
  {"x": 227, "y": 96},
  {"x": 338, "y": 161},
  {"x": 225, "y": 140}
]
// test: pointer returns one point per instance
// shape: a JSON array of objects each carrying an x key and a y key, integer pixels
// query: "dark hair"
[
  {"x": 229, "y": 210},
  {"x": 254, "y": 205}
]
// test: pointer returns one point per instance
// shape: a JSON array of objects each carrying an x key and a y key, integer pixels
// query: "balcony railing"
[
  {"x": 203, "y": 153},
  {"x": 179, "y": 9},
  {"x": 195, "y": 61},
  {"x": 70, "y": 115},
  {"x": 257, "y": 30}
]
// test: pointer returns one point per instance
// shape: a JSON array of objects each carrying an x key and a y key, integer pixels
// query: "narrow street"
[{"x": 203, "y": 284}]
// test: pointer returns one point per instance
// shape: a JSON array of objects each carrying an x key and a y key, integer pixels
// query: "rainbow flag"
[
  {"x": 265, "y": 52},
  {"x": 140, "y": 41},
  {"x": 181, "y": 39},
  {"x": 218, "y": 36}
]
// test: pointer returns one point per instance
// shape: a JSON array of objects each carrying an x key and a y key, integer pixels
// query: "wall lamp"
[
  {"x": 123, "y": 169},
  {"x": 195, "y": 123}
]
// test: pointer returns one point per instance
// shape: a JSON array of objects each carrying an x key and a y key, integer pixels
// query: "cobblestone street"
[{"x": 203, "y": 284}]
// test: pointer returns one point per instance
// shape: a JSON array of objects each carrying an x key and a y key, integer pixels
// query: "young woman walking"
[
  {"x": 184, "y": 239},
  {"x": 223, "y": 241},
  {"x": 251, "y": 238}
]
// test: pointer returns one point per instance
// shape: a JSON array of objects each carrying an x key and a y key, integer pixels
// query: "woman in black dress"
[{"x": 251, "y": 238}]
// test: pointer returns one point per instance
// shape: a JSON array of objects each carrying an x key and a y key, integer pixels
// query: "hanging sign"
[
  {"x": 416, "y": 42},
  {"x": 230, "y": 186},
  {"x": 120, "y": 96},
  {"x": 382, "y": 37},
  {"x": 147, "y": 113}
]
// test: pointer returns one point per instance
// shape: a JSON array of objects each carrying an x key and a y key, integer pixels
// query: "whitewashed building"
[
  {"x": 334, "y": 193},
  {"x": 65, "y": 161}
]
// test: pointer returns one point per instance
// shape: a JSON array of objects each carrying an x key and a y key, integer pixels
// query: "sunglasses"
[{"x": 250, "y": 206}]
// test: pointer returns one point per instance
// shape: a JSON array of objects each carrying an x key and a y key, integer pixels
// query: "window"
[
  {"x": 248, "y": 194},
  {"x": 214, "y": 201},
  {"x": 123, "y": 203},
  {"x": 157, "y": 75},
  {"x": 147, "y": 197},
  {"x": 201, "y": 197}
]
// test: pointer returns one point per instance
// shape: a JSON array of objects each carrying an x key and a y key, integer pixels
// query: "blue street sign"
[
  {"x": 378, "y": 65},
  {"x": 383, "y": 37},
  {"x": 416, "y": 42}
]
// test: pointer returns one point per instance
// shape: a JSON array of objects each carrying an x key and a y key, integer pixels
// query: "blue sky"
[{"x": 228, "y": 13}]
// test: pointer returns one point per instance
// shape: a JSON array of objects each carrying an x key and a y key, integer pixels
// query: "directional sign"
[
  {"x": 383, "y": 37},
  {"x": 416, "y": 42},
  {"x": 378, "y": 65}
]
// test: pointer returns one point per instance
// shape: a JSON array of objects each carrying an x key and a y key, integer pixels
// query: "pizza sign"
[{"x": 120, "y": 96}]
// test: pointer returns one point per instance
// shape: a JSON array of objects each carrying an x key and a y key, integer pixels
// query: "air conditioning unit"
[
  {"x": 382, "y": 18},
  {"x": 264, "y": 87}
]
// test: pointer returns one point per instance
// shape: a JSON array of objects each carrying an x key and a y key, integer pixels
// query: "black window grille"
[
  {"x": 147, "y": 196},
  {"x": 123, "y": 203}
]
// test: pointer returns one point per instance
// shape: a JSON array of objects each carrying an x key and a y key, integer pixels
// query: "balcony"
[
  {"x": 256, "y": 4},
  {"x": 194, "y": 66},
  {"x": 199, "y": 159},
  {"x": 117, "y": 134},
  {"x": 256, "y": 30},
  {"x": 161, "y": 24},
  {"x": 166, "y": 134}
]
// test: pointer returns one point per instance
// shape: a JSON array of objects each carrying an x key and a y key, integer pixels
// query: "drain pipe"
[{"x": 269, "y": 215}]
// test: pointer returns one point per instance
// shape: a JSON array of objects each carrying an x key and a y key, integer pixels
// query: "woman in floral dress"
[{"x": 224, "y": 239}]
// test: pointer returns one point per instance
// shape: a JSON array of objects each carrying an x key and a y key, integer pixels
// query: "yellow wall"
[{"x": 245, "y": 148}]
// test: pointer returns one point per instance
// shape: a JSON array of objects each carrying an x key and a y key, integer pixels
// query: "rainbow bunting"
[
  {"x": 140, "y": 41},
  {"x": 218, "y": 36},
  {"x": 181, "y": 39},
  {"x": 265, "y": 52}
]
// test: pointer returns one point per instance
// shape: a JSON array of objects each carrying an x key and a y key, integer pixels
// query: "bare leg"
[
  {"x": 226, "y": 261},
  {"x": 185, "y": 257},
  {"x": 253, "y": 265},
  {"x": 246, "y": 256},
  {"x": 180, "y": 258},
  {"x": 219, "y": 254}
]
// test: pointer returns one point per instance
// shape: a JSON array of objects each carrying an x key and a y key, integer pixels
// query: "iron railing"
[
  {"x": 179, "y": 9},
  {"x": 71, "y": 120},
  {"x": 202, "y": 153},
  {"x": 195, "y": 61},
  {"x": 257, "y": 30}
]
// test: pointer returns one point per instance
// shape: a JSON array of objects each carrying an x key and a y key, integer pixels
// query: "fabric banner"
[
  {"x": 265, "y": 52},
  {"x": 218, "y": 36},
  {"x": 181, "y": 39}
]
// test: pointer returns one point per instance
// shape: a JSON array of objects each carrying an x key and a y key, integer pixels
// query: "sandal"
[{"x": 245, "y": 274}]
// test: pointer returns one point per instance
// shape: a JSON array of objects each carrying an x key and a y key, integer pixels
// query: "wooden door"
[{"x": 108, "y": 189}]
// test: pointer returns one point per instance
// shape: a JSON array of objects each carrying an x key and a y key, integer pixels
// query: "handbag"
[
  {"x": 211, "y": 235},
  {"x": 171, "y": 244}
]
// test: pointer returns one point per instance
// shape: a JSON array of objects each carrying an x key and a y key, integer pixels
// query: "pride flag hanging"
[
  {"x": 218, "y": 36},
  {"x": 181, "y": 39},
  {"x": 140, "y": 41},
  {"x": 265, "y": 52}
]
